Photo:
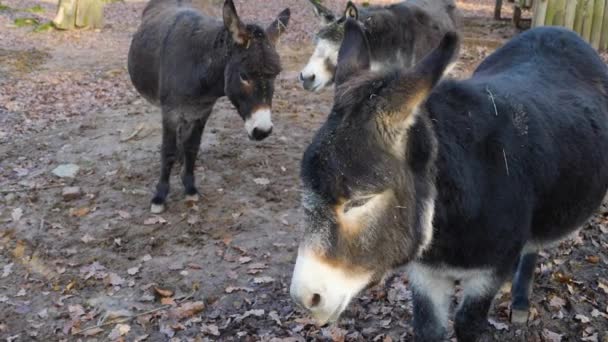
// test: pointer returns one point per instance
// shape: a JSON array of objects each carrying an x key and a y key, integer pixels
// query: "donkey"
[
  {"x": 399, "y": 35},
  {"x": 183, "y": 61},
  {"x": 457, "y": 181}
]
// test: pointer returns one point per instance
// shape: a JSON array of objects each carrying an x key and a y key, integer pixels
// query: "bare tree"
[
  {"x": 497, "y": 9},
  {"x": 73, "y": 14}
]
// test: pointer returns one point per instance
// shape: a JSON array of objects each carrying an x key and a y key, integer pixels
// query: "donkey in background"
[
  {"x": 457, "y": 181},
  {"x": 399, "y": 35},
  {"x": 183, "y": 61}
]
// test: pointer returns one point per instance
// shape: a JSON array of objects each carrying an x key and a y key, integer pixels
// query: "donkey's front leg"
[
  {"x": 431, "y": 294},
  {"x": 472, "y": 315},
  {"x": 191, "y": 144},
  {"x": 168, "y": 155},
  {"x": 522, "y": 287}
]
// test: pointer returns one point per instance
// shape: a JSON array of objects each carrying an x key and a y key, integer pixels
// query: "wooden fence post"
[
  {"x": 570, "y": 13},
  {"x": 540, "y": 12},
  {"x": 589, "y": 18},
  {"x": 598, "y": 21}
]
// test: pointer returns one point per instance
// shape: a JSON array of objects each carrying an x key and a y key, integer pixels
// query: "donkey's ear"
[
  {"x": 415, "y": 86},
  {"x": 325, "y": 14},
  {"x": 432, "y": 67},
  {"x": 351, "y": 11},
  {"x": 354, "y": 54},
  {"x": 234, "y": 25},
  {"x": 278, "y": 27}
]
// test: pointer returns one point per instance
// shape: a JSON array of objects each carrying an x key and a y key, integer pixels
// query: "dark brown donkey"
[
  {"x": 459, "y": 181},
  {"x": 183, "y": 61}
]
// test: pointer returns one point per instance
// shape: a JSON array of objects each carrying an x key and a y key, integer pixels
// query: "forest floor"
[{"x": 218, "y": 270}]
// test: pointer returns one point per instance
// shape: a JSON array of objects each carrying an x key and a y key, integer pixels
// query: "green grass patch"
[
  {"x": 23, "y": 22},
  {"x": 4, "y": 7},
  {"x": 45, "y": 27},
  {"x": 35, "y": 9}
]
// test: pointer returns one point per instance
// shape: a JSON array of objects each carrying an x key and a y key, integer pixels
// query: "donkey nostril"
[
  {"x": 315, "y": 301},
  {"x": 301, "y": 77},
  {"x": 312, "y": 78}
]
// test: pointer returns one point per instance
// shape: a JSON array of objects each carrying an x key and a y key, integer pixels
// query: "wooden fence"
[{"x": 589, "y": 18}]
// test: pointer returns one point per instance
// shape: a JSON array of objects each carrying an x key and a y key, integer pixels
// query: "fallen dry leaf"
[
  {"x": 118, "y": 331},
  {"x": 186, "y": 310},
  {"x": 582, "y": 318},
  {"x": 167, "y": 301},
  {"x": 7, "y": 270},
  {"x": 257, "y": 266},
  {"x": 141, "y": 338},
  {"x": 80, "y": 212},
  {"x": 163, "y": 292},
  {"x": 154, "y": 220},
  {"x": 75, "y": 310},
  {"x": 178, "y": 327},
  {"x": 594, "y": 259},
  {"x": 244, "y": 260},
  {"x": 92, "y": 332},
  {"x": 590, "y": 338},
  {"x": 334, "y": 333},
  {"x": 210, "y": 329},
  {"x": 113, "y": 279},
  {"x": 124, "y": 215},
  {"x": 193, "y": 219},
  {"x": 261, "y": 181},
  {"x": 275, "y": 317},
  {"x": 551, "y": 336},
  {"x": 498, "y": 325},
  {"x": 231, "y": 289},
  {"x": 263, "y": 280},
  {"x": 255, "y": 313},
  {"x": 43, "y": 313},
  {"x": 133, "y": 270},
  {"x": 16, "y": 214},
  {"x": 557, "y": 302},
  {"x": 87, "y": 238},
  {"x": 533, "y": 314},
  {"x": 112, "y": 315},
  {"x": 602, "y": 285}
]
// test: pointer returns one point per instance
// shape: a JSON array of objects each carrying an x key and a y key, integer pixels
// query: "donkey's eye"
[
  {"x": 244, "y": 77},
  {"x": 356, "y": 203}
]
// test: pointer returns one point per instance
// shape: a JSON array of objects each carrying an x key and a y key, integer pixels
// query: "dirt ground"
[{"x": 218, "y": 270}]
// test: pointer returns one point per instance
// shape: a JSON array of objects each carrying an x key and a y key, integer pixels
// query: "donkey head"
[
  {"x": 252, "y": 68},
  {"x": 319, "y": 72},
  {"x": 368, "y": 178}
]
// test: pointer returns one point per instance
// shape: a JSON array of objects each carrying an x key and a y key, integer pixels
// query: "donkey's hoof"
[
  {"x": 157, "y": 208},
  {"x": 192, "y": 198},
  {"x": 519, "y": 316}
]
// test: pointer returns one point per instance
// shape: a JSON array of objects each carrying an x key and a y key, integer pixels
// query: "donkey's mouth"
[
  {"x": 324, "y": 320},
  {"x": 258, "y": 134}
]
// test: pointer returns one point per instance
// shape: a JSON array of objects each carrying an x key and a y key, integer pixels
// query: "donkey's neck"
[{"x": 216, "y": 48}]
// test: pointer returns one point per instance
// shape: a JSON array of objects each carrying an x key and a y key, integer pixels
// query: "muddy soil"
[{"x": 100, "y": 257}]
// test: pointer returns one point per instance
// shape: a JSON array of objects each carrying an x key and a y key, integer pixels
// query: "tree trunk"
[
  {"x": 497, "y": 9},
  {"x": 79, "y": 14}
]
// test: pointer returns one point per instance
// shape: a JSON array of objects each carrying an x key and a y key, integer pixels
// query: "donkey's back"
[
  {"x": 533, "y": 123},
  {"x": 166, "y": 30}
]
